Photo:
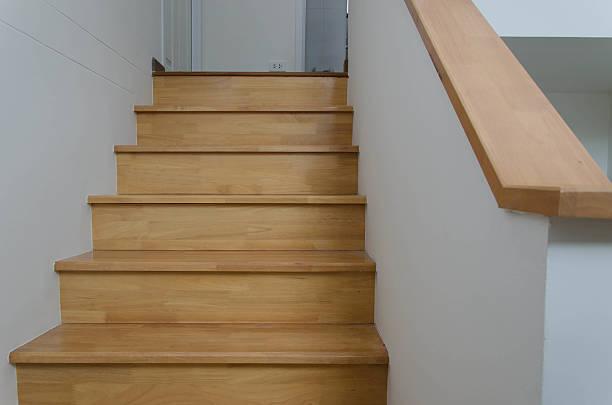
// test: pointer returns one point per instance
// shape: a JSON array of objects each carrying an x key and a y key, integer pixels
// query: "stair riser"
[
  {"x": 237, "y": 173},
  {"x": 201, "y": 384},
  {"x": 116, "y": 297},
  {"x": 228, "y": 227},
  {"x": 244, "y": 128},
  {"x": 239, "y": 91}
]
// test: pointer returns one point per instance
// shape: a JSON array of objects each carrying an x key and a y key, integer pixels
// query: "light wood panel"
[
  {"x": 585, "y": 202},
  {"x": 198, "y": 385},
  {"x": 168, "y": 297},
  {"x": 228, "y": 227},
  {"x": 244, "y": 128},
  {"x": 531, "y": 158},
  {"x": 219, "y": 261},
  {"x": 205, "y": 344},
  {"x": 236, "y": 173},
  {"x": 249, "y": 91}
]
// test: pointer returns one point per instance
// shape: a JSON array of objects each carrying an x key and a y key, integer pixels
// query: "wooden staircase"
[{"x": 230, "y": 268}]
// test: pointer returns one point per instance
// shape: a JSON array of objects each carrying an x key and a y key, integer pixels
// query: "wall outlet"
[{"x": 278, "y": 65}]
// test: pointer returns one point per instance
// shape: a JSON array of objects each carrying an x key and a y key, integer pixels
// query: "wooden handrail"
[{"x": 531, "y": 158}]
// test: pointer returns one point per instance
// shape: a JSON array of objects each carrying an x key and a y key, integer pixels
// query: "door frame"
[
  {"x": 176, "y": 36},
  {"x": 300, "y": 35},
  {"x": 197, "y": 35}
]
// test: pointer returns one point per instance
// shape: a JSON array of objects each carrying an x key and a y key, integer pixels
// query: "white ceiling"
[{"x": 566, "y": 64}]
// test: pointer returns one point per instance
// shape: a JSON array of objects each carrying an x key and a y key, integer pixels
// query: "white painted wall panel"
[
  {"x": 461, "y": 283},
  {"x": 111, "y": 22},
  {"x": 68, "y": 92},
  {"x": 578, "y": 353}
]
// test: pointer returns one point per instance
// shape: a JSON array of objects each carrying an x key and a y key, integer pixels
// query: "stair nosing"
[
  {"x": 56, "y": 351},
  {"x": 315, "y": 358},
  {"x": 76, "y": 264},
  {"x": 229, "y": 199},
  {"x": 234, "y": 149},
  {"x": 241, "y": 109},
  {"x": 175, "y": 267}
]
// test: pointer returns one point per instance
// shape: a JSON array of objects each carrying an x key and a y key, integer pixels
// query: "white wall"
[
  {"x": 461, "y": 283},
  {"x": 549, "y": 18},
  {"x": 575, "y": 75},
  {"x": 71, "y": 73},
  {"x": 589, "y": 116},
  {"x": 245, "y": 35},
  {"x": 578, "y": 353}
]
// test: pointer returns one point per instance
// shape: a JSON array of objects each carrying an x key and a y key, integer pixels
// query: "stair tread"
[
  {"x": 170, "y": 109},
  {"x": 219, "y": 261},
  {"x": 227, "y": 199},
  {"x": 237, "y": 149},
  {"x": 205, "y": 344}
]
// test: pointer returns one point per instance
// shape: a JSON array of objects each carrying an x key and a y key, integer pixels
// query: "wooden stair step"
[
  {"x": 204, "y": 344},
  {"x": 230, "y": 268},
  {"x": 237, "y": 170},
  {"x": 203, "y": 364},
  {"x": 244, "y": 126},
  {"x": 179, "y": 287},
  {"x": 241, "y": 89},
  {"x": 219, "y": 261},
  {"x": 228, "y": 222}
]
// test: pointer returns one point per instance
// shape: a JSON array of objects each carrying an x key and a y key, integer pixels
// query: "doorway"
[
  {"x": 326, "y": 35},
  {"x": 255, "y": 35}
]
